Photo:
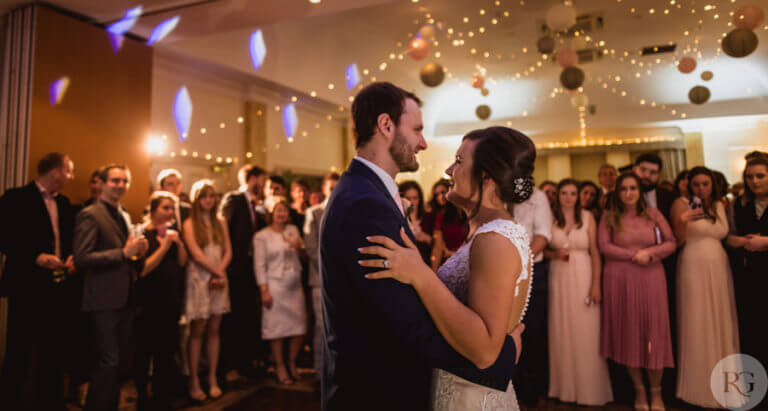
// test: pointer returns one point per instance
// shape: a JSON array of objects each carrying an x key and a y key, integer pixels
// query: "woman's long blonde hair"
[{"x": 201, "y": 189}]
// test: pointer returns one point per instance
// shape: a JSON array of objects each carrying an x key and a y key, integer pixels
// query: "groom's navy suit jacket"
[{"x": 380, "y": 343}]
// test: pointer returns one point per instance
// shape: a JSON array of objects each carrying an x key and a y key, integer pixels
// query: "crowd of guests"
[
  {"x": 200, "y": 295},
  {"x": 650, "y": 275},
  {"x": 658, "y": 278}
]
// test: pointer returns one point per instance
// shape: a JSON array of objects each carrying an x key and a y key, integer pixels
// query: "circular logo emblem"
[{"x": 739, "y": 382}]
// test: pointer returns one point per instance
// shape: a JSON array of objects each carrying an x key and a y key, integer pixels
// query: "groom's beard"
[{"x": 403, "y": 155}]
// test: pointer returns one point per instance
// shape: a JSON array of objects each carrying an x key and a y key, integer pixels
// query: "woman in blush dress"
[
  {"x": 577, "y": 372},
  {"x": 635, "y": 330},
  {"x": 707, "y": 325}
]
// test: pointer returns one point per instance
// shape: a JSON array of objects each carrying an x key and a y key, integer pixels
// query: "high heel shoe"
[
  {"x": 656, "y": 393},
  {"x": 642, "y": 406}
]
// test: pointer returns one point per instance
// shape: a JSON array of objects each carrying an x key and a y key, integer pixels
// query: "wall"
[
  {"x": 105, "y": 114},
  {"x": 586, "y": 166},
  {"x": 221, "y": 95}
]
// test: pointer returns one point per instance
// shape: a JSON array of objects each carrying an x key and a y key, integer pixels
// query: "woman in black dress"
[
  {"x": 159, "y": 294},
  {"x": 749, "y": 237}
]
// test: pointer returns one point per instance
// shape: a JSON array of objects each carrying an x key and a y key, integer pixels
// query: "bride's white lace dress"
[{"x": 452, "y": 393}]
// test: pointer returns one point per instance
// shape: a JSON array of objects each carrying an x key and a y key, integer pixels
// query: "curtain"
[{"x": 18, "y": 37}]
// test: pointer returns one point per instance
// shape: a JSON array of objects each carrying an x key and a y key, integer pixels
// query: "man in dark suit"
[
  {"x": 36, "y": 237},
  {"x": 380, "y": 343},
  {"x": 241, "y": 327},
  {"x": 648, "y": 169},
  {"x": 314, "y": 216},
  {"x": 110, "y": 257}
]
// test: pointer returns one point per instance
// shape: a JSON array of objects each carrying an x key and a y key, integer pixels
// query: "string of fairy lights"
[{"x": 470, "y": 31}]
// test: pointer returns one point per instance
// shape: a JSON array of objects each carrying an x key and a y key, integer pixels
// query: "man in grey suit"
[
  {"x": 314, "y": 216},
  {"x": 110, "y": 257}
]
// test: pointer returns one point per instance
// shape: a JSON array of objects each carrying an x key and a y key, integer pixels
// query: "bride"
[{"x": 480, "y": 294}]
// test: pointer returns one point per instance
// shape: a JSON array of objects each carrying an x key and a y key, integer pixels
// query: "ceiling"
[{"x": 310, "y": 45}]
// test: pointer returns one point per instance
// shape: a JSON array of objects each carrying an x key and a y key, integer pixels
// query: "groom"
[{"x": 380, "y": 342}]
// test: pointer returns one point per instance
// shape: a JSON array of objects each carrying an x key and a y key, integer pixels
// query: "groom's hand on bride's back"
[{"x": 516, "y": 335}]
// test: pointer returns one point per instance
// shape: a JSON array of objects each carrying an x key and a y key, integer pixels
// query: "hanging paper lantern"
[
  {"x": 432, "y": 75},
  {"x": 567, "y": 58},
  {"x": 707, "y": 75},
  {"x": 483, "y": 112},
  {"x": 561, "y": 17},
  {"x": 477, "y": 81},
  {"x": 419, "y": 49},
  {"x": 580, "y": 101},
  {"x": 686, "y": 65},
  {"x": 427, "y": 32},
  {"x": 699, "y": 95},
  {"x": 546, "y": 45},
  {"x": 748, "y": 17},
  {"x": 739, "y": 43},
  {"x": 572, "y": 78},
  {"x": 484, "y": 92}
]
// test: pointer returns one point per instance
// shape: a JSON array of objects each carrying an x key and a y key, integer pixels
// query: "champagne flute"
[{"x": 137, "y": 231}]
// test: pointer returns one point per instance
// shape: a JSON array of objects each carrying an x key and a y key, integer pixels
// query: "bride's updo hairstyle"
[{"x": 506, "y": 156}]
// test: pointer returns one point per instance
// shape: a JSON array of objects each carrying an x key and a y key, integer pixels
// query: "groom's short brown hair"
[{"x": 376, "y": 99}]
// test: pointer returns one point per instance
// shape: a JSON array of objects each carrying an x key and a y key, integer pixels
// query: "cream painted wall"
[
  {"x": 213, "y": 103},
  {"x": 319, "y": 152},
  {"x": 617, "y": 158},
  {"x": 540, "y": 168},
  {"x": 558, "y": 167},
  {"x": 317, "y": 147},
  {"x": 724, "y": 150},
  {"x": 586, "y": 166}
]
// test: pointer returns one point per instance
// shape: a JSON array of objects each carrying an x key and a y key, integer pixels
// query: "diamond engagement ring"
[{"x": 386, "y": 263}]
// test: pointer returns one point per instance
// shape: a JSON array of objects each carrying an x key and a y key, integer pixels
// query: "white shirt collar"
[{"x": 385, "y": 178}]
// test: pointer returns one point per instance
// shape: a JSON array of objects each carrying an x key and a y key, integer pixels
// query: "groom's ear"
[{"x": 385, "y": 124}]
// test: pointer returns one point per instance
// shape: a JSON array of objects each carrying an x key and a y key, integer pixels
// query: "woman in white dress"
[
  {"x": 278, "y": 272},
  {"x": 207, "y": 297},
  {"x": 480, "y": 294}
]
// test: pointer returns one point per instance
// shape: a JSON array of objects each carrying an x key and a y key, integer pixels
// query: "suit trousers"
[
  {"x": 317, "y": 338},
  {"x": 112, "y": 331},
  {"x": 241, "y": 328},
  {"x": 33, "y": 371}
]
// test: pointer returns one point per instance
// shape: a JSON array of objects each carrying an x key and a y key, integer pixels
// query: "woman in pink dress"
[
  {"x": 635, "y": 332},
  {"x": 577, "y": 372}
]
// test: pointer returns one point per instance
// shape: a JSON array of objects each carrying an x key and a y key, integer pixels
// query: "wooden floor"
[{"x": 267, "y": 395}]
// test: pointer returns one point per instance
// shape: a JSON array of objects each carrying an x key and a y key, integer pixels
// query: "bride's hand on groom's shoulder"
[{"x": 404, "y": 264}]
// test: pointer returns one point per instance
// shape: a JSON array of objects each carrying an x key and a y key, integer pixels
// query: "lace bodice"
[{"x": 455, "y": 271}]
